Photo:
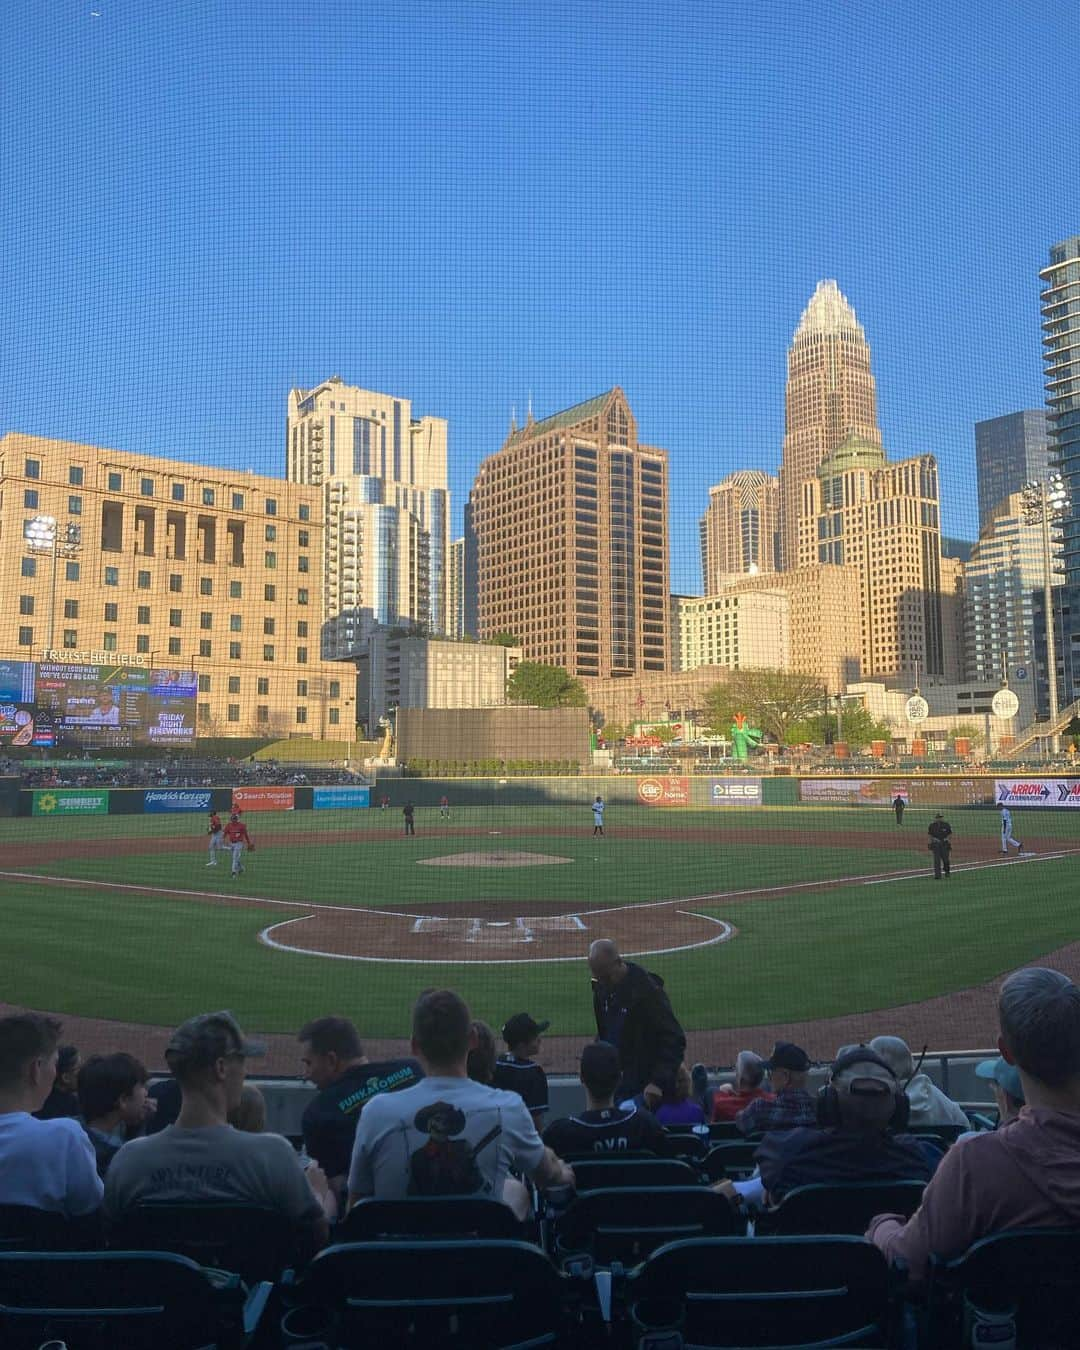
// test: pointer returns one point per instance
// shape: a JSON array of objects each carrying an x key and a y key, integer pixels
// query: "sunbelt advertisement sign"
[
  {"x": 1037, "y": 792},
  {"x": 70, "y": 802},
  {"x": 176, "y": 799},
  {"x": 339, "y": 798}
]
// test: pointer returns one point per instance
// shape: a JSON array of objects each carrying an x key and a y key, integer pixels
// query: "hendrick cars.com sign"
[
  {"x": 1037, "y": 791},
  {"x": 664, "y": 791},
  {"x": 264, "y": 798}
]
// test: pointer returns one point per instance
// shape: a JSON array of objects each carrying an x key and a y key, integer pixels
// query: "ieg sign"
[
  {"x": 176, "y": 799},
  {"x": 735, "y": 791},
  {"x": 1037, "y": 792},
  {"x": 338, "y": 798}
]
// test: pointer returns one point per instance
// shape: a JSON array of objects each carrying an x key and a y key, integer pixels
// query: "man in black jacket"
[
  {"x": 633, "y": 1014},
  {"x": 940, "y": 844}
]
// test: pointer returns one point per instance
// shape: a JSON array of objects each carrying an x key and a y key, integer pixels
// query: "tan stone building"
[
  {"x": 740, "y": 528},
  {"x": 174, "y": 565},
  {"x": 570, "y": 522},
  {"x": 743, "y": 630},
  {"x": 830, "y": 395},
  {"x": 654, "y": 698},
  {"x": 417, "y": 672}
]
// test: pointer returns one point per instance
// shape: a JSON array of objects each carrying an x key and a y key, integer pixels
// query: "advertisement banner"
[
  {"x": 176, "y": 799},
  {"x": 264, "y": 798},
  {"x": 664, "y": 791},
  {"x": 851, "y": 791},
  {"x": 71, "y": 802},
  {"x": 1037, "y": 792},
  {"x": 735, "y": 791},
  {"x": 339, "y": 798}
]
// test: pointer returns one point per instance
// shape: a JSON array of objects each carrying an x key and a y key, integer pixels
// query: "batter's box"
[{"x": 497, "y": 932}]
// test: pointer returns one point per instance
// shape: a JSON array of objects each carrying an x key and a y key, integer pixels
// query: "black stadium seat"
[
  {"x": 594, "y": 1173},
  {"x": 250, "y": 1240},
  {"x": 624, "y": 1225},
  {"x": 25, "y": 1229},
  {"x": 459, "y": 1217},
  {"x": 122, "y": 1301},
  {"x": 777, "y": 1292},
  {"x": 451, "y": 1295},
  {"x": 683, "y": 1144},
  {"x": 732, "y": 1158},
  {"x": 846, "y": 1208}
]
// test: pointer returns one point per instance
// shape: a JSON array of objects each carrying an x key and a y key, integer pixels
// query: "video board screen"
[{"x": 50, "y": 703}]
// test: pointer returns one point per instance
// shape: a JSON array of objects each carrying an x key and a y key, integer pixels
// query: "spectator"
[
  {"x": 730, "y": 1098},
  {"x": 448, "y": 1135},
  {"x": 332, "y": 1057},
  {"x": 63, "y": 1099},
  {"x": 201, "y": 1157},
  {"x": 480, "y": 1064},
  {"x": 604, "y": 1127},
  {"x": 517, "y": 1071},
  {"x": 1026, "y": 1174},
  {"x": 44, "y": 1164},
  {"x": 791, "y": 1105},
  {"x": 1006, "y": 1085},
  {"x": 679, "y": 1106},
  {"x": 634, "y": 1014},
  {"x": 165, "y": 1094},
  {"x": 113, "y": 1103},
  {"x": 249, "y": 1115},
  {"x": 929, "y": 1105}
]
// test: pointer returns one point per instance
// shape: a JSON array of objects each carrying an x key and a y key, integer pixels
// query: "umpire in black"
[
  {"x": 940, "y": 844},
  {"x": 634, "y": 1014}
]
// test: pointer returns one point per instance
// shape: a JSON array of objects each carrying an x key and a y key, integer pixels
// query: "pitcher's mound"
[{"x": 499, "y": 858}]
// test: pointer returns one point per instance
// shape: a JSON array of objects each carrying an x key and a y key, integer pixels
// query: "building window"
[
  {"x": 142, "y": 614},
  {"x": 304, "y": 511},
  {"x": 268, "y": 651},
  {"x": 236, "y": 590},
  {"x": 236, "y": 623},
  {"x": 115, "y": 482},
  {"x": 271, "y": 506},
  {"x": 335, "y": 688},
  {"x": 270, "y": 533},
  {"x": 270, "y": 560},
  {"x": 108, "y": 642},
  {"x": 234, "y": 651},
  {"x": 206, "y": 647},
  {"x": 238, "y": 501},
  {"x": 302, "y": 628},
  {"x": 112, "y": 575},
  {"x": 204, "y": 712},
  {"x": 146, "y": 487},
  {"x": 334, "y": 716},
  {"x": 71, "y": 638},
  {"x": 233, "y": 713},
  {"x": 268, "y": 627},
  {"x": 234, "y": 684},
  {"x": 206, "y": 585},
  {"x": 176, "y": 583},
  {"x": 30, "y": 499},
  {"x": 270, "y": 593},
  {"x": 206, "y": 619},
  {"x": 174, "y": 646},
  {"x": 303, "y": 563},
  {"x": 32, "y": 468},
  {"x": 303, "y": 538},
  {"x": 176, "y": 618},
  {"x": 301, "y": 688},
  {"x": 74, "y": 506},
  {"x": 302, "y": 596},
  {"x": 301, "y": 656},
  {"x": 208, "y": 496},
  {"x": 75, "y": 475},
  {"x": 262, "y": 686},
  {"x": 26, "y": 604},
  {"x": 29, "y": 567},
  {"x": 301, "y": 716},
  {"x": 112, "y": 612},
  {"x": 142, "y": 642},
  {"x": 26, "y": 637},
  {"x": 178, "y": 492},
  {"x": 204, "y": 684},
  {"x": 71, "y": 571}
]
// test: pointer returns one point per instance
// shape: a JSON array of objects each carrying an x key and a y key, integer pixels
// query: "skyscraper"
[
  {"x": 1009, "y": 451},
  {"x": 387, "y": 508},
  {"x": 739, "y": 530},
  {"x": 1061, "y": 354},
  {"x": 830, "y": 395},
  {"x": 570, "y": 521}
]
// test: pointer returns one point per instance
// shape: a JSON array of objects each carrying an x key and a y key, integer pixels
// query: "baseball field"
[{"x": 755, "y": 918}]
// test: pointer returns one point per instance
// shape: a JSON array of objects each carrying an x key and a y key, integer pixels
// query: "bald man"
[{"x": 633, "y": 1014}]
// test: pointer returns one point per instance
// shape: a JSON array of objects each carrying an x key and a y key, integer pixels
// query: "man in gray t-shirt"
[{"x": 202, "y": 1158}]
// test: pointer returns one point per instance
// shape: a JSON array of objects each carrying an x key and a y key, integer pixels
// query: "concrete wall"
[{"x": 467, "y": 734}]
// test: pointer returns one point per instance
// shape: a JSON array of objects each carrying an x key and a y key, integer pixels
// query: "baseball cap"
[
  {"x": 1004, "y": 1074},
  {"x": 785, "y": 1055},
  {"x": 863, "y": 1071},
  {"x": 210, "y": 1036},
  {"x": 522, "y": 1027}
]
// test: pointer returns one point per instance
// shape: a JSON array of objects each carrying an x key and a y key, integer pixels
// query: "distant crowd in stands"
[
  {"x": 91, "y": 1141},
  {"x": 175, "y": 773}
]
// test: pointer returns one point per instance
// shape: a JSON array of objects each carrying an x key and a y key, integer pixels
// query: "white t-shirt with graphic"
[
  {"x": 445, "y": 1136},
  {"x": 48, "y": 1164}
]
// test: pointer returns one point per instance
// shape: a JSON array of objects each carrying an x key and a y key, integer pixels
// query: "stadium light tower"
[
  {"x": 1044, "y": 503},
  {"x": 42, "y": 534}
]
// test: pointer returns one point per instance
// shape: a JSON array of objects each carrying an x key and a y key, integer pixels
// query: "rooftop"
[{"x": 830, "y": 313}]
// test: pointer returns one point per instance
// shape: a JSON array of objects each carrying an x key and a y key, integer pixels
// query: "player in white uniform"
[
  {"x": 598, "y": 816},
  {"x": 1007, "y": 834}
]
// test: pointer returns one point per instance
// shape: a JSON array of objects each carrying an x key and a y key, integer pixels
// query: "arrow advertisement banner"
[{"x": 1053, "y": 792}]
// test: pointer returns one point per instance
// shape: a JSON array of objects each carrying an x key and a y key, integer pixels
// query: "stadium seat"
[
  {"x": 733, "y": 1158},
  {"x": 25, "y": 1229},
  {"x": 775, "y": 1291},
  {"x": 596, "y": 1172},
  {"x": 944, "y": 1134},
  {"x": 680, "y": 1143},
  {"x": 846, "y": 1208},
  {"x": 424, "y": 1217},
  {"x": 455, "y": 1295},
  {"x": 253, "y": 1242},
  {"x": 720, "y": 1130},
  {"x": 624, "y": 1224},
  {"x": 133, "y": 1300},
  {"x": 1030, "y": 1270}
]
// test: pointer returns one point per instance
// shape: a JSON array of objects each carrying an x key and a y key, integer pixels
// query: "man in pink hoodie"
[{"x": 1025, "y": 1174}]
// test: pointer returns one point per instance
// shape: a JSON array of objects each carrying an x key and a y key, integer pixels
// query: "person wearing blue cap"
[{"x": 1005, "y": 1084}]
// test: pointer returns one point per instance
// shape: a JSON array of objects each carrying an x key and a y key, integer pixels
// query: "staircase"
[{"x": 1038, "y": 731}]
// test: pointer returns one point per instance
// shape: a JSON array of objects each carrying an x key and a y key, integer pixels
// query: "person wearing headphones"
[{"x": 861, "y": 1113}]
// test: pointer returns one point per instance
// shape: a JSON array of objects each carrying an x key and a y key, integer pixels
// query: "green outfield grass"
[{"x": 137, "y": 956}]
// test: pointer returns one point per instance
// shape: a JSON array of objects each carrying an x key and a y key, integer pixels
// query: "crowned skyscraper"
[{"x": 830, "y": 396}]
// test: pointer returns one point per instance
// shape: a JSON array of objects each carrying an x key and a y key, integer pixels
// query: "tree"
[
  {"x": 967, "y": 731},
  {"x": 505, "y": 640},
  {"x": 613, "y": 732},
  {"x": 545, "y": 687},
  {"x": 1073, "y": 732},
  {"x": 858, "y": 726},
  {"x": 773, "y": 700}
]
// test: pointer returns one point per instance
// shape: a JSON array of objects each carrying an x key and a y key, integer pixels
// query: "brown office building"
[
  {"x": 570, "y": 521},
  {"x": 739, "y": 529}
]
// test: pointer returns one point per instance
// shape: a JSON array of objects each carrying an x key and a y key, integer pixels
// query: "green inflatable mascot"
[{"x": 743, "y": 737}]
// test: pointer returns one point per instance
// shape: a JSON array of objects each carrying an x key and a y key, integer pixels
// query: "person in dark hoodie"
[
  {"x": 1025, "y": 1174},
  {"x": 634, "y": 1014}
]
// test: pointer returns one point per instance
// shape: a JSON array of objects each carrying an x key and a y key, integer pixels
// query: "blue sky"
[{"x": 208, "y": 202}]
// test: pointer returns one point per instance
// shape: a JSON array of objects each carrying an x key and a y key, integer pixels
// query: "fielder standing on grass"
[
  {"x": 444, "y": 808},
  {"x": 898, "y": 806},
  {"x": 1006, "y": 831},
  {"x": 213, "y": 829},
  {"x": 237, "y": 839},
  {"x": 940, "y": 845},
  {"x": 598, "y": 816}
]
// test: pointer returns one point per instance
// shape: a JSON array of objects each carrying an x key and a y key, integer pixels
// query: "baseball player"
[
  {"x": 444, "y": 808},
  {"x": 236, "y": 838},
  {"x": 214, "y": 830},
  {"x": 1006, "y": 832},
  {"x": 598, "y": 815}
]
